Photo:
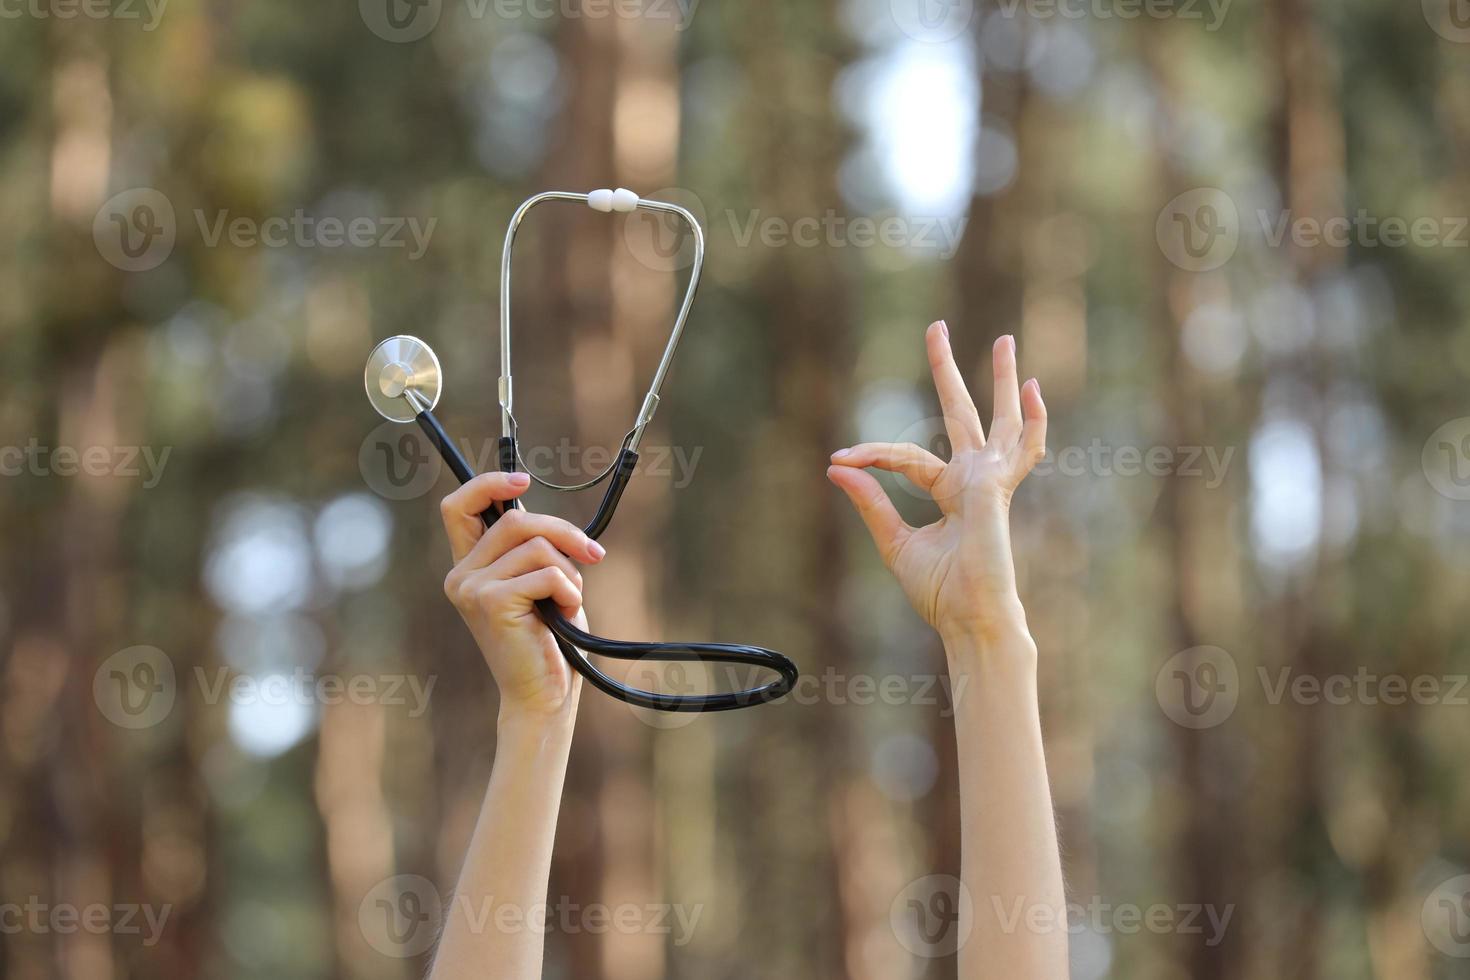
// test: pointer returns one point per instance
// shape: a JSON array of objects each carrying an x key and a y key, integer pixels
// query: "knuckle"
[{"x": 488, "y": 596}]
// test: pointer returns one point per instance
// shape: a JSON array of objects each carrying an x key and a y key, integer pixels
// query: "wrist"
[
  {"x": 525, "y": 721},
  {"x": 1000, "y": 633},
  {"x": 995, "y": 619}
]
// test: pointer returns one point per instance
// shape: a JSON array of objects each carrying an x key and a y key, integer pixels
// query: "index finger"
[
  {"x": 961, "y": 420},
  {"x": 461, "y": 510}
]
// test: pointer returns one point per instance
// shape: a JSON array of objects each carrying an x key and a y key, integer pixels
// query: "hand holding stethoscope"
[
  {"x": 403, "y": 382},
  {"x": 500, "y": 573}
]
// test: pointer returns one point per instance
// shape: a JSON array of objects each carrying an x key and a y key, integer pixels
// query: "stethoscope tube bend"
[{"x": 404, "y": 381}]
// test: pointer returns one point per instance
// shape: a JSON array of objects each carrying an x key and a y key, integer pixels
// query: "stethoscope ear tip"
[{"x": 402, "y": 378}]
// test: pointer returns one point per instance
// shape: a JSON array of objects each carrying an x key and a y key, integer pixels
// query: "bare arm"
[
  {"x": 959, "y": 575},
  {"x": 493, "y": 923}
]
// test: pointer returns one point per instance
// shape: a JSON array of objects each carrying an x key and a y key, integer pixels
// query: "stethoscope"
[{"x": 403, "y": 382}]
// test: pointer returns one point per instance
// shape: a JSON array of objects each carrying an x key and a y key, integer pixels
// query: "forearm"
[
  {"x": 494, "y": 924},
  {"x": 1010, "y": 860}
]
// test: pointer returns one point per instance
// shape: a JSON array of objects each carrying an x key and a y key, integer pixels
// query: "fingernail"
[
  {"x": 841, "y": 453},
  {"x": 944, "y": 329},
  {"x": 598, "y": 551},
  {"x": 1011, "y": 339},
  {"x": 520, "y": 479}
]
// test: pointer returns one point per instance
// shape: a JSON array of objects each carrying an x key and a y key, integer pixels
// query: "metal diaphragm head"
[{"x": 397, "y": 366}]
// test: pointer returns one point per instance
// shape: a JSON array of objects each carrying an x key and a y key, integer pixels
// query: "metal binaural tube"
[{"x": 506, "y": 391}]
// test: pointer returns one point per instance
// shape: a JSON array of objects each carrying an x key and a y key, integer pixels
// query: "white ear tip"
[
  {"x": 624, "y": 200},
  {"x": 602, "y": 199}
]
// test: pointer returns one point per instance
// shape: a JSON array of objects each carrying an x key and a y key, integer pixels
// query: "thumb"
[{"x": 874, "y": 507}]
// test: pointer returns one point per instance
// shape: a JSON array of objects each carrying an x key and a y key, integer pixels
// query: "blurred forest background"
[{"x": 1259, "y": 479}]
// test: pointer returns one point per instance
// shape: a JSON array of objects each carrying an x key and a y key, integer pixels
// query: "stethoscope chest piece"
[{"x": 396, "y": 367}]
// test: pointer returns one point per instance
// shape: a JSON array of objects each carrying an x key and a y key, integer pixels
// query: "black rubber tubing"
[{"x": 573, "y": 641}]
